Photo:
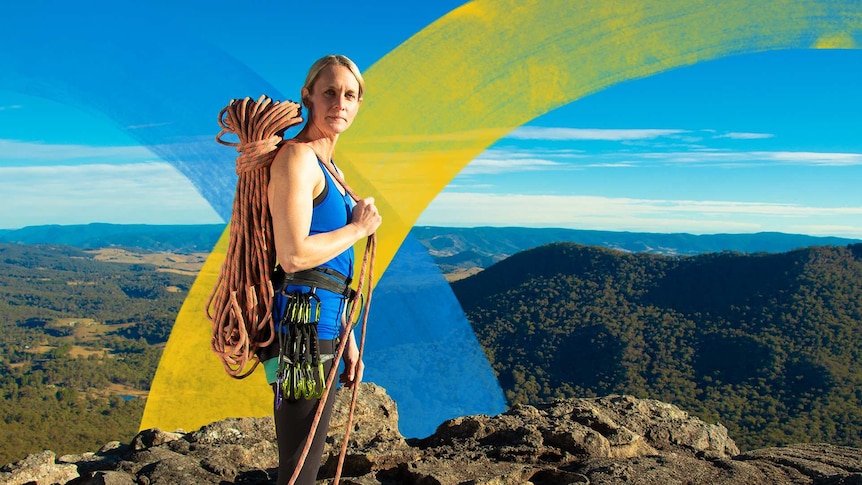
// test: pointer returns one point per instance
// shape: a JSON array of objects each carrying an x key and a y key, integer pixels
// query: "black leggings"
[{"x": 292, "y": 424}]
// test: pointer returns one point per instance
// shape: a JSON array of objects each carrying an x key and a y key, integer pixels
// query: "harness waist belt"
[{"x": 325, "y": 278}]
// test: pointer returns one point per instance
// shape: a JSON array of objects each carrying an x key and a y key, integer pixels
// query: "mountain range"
[
  {"x": 451, "y": 247},
  {"x": 457, "y": 249},
  {"x": 168, "y": 238}
]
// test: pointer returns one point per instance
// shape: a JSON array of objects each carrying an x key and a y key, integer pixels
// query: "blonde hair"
[{"x": 333, "y": 60}]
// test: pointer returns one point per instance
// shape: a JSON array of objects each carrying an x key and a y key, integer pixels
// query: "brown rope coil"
[{"x": 240, "y": 305}]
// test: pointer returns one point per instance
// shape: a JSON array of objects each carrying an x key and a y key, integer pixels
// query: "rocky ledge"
[{"x": 607, "y": 440}]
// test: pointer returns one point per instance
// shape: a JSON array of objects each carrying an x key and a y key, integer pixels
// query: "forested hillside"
[
  {"x": 766, "y": 344},
  {"x": 80, "y": 341}
]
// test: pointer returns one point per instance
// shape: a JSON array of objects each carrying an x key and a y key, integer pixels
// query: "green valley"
[{"x": 80, "y": 343}]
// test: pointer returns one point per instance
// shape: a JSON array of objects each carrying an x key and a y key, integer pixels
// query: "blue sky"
[{"x": 762, "y": 142}]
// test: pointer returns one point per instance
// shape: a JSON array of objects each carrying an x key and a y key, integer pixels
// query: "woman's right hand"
[{"x": 366, "y": 217}]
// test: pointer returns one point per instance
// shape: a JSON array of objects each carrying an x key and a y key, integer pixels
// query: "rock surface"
[{"x": 607, "y": 440}]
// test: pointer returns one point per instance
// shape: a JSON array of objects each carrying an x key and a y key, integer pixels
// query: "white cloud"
[
  {"x": 470, "y": 186},
  {"x": 508, "y": 153},
  {"x": 149, "y": 125},
  {"x": 815, "y": 158},
  {"x": 647, "y": 215},
  {"x": 741, "y": 158},
  {"x": 611, "y": 165},
  {"x": 481, "y": 166},
  {"x": 745, "y": 136},
  {"x": 502, "y": 160},
  {"x": 11, "y": 106},
  {"x": 604, "y": 134},
  {"x": 509, "y": 160},
  {"x": 837, "y": 230},
  {"x": 547, "y": 133},
  {"x": 23, "y": 152},
  {"x": 643, "y": 147},
  {"x": 140, "y": 193}
]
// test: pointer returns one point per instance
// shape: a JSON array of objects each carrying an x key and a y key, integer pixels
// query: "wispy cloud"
[
  {"x": 482, "y": 166},
  {"x": 627, "y": 135},
  {"x": 498, "y": 161},
  {"x": 550, "y": 133},
  {"x": 838, "y": 230},
  {"x": 26, "y": 153},
  {"x": 745, "y": 136},
  {"x": 641, "y": 147},
  {"x": 611, "y": 165},
  {"x": 557, "y": 153},
  {"x": 510, "y": 160},
  {"x": 815, "y": 158},
  {"x": 629, "y": 214},
  {"x": 151, "y": 193},
  {"x": 150, "y": 125},
  {"x": 11, "y": 106},
  {"x": 741, "y": 158}
]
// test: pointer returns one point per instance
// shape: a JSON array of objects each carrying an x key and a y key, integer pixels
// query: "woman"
[{"x": 315, "y": 225}]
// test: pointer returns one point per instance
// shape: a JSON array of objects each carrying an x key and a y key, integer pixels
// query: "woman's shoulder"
[
  {"x": 294, "y": 149},
  {"x": 296, "y": 154}
]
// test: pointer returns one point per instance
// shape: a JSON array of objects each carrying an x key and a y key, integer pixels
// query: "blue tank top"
[{"x": 331, "y": 211}]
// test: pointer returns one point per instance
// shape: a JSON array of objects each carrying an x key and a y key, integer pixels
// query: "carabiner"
[
  {"x": 349, "y": 308},
  {"x": 320, "y": 382},
  {"x": 307, "y": 381}
]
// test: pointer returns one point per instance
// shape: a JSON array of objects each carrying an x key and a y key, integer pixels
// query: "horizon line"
[{"x": 459, "y": 227}]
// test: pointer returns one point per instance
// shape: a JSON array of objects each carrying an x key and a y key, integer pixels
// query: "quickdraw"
[{"x": 300, "y": 372}]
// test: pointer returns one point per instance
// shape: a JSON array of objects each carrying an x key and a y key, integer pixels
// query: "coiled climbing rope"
[{"x": 240, "y": 306}]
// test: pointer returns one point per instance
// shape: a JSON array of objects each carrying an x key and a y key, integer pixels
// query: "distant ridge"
[
  {"x": 172, "y": 238},
  {"x": 451, "y": 247},
  {"x": 456, "y": 248}
]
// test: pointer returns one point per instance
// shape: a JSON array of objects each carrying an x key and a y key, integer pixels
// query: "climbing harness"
[
  {"x": 300, "y": 373},
  {"x": 241, "y": 304}
]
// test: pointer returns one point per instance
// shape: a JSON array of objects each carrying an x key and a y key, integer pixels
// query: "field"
[
  {"x": 82, "y": 335},
  {"x": 186, "y": 264}
]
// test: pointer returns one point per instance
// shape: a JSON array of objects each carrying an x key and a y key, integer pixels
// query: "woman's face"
[{"x": 334, "y": 99}]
